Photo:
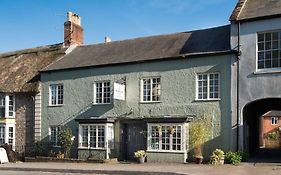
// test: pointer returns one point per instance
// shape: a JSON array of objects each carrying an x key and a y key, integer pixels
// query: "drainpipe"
[{"x": 237, "y": 88}]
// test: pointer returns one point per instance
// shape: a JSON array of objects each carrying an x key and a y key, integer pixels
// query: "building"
[
  {"x": 20, "y": 88},
  {"x": 20, "y": 95},
  {"x": 255, "y": 34},
  {"x": 115, "y": 95},
  {"x": 270, "y": 127}
]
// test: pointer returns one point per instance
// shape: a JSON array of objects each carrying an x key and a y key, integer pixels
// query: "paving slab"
[{"x": 143, "y": 169}]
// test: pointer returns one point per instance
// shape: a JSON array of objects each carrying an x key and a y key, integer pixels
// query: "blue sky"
[{"x": 32, "y": 23}]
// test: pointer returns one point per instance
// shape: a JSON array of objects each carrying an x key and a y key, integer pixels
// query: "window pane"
[
  {"x": 84, "y": 136},
  {"x": 260, "y": 37},
  {"x": 2, "y": 135}
]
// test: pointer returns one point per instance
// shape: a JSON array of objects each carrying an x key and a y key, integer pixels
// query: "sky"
[{"x": 32, "y": 23}]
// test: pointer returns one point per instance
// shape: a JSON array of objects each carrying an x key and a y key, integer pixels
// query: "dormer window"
[{"x": 269, "y": 50}]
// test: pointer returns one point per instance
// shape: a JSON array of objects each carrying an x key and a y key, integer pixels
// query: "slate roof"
[
  {"x": 255, "y": 9},
  {"x": 20, "y": 69},
  {"x": 147, "y": 49},
  {"x": 272, "y": 114}
]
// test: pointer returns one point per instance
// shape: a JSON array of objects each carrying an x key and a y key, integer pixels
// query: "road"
[{"x": 38, "y": 173}]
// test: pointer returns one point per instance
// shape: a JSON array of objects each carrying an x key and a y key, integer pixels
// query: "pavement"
[{"x": 144, "y": 169}]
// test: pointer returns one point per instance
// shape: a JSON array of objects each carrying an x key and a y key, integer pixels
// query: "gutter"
[{"x": 181, "y": 56}]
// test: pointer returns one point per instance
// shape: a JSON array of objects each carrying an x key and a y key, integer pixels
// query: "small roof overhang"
[{"x": 95, "y": 120}]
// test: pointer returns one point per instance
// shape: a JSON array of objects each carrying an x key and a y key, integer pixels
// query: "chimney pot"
[
  {"x": 107, "y": 39},
  {"x": 73, "y": 31}
]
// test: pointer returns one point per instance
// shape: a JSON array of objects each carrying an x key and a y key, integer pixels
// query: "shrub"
[
  {"x": 216, "y": 156},
  {"x": 233, "y": 158},
  {"x": 244, "y": 155},
  {"x": 38, "y": 149},
  {"x": 65, "y": 139},
  {"x": 272, "y": 136}
]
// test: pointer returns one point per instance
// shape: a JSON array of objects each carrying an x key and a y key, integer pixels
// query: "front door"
[{"x": 134, "y": 139}]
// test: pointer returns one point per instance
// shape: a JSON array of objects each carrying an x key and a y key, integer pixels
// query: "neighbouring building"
[
  {"x": 20, "y": 88},
  {"x": 270, "y": 128},
  {"x": 115, "y": 96},
  {"x": 20, "y": 95},
  {"x": 256, "y": 35}
]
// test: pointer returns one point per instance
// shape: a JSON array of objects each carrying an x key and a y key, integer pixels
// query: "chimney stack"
[
  {"x": 73, "y": 31},
  {"x": 107, "y": 39}
]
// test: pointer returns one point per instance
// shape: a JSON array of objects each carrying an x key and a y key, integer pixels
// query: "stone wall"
[{"x": 24, "y": 123}]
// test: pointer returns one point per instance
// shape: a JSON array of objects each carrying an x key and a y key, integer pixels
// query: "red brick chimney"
[{"x": 73, "y": 31}]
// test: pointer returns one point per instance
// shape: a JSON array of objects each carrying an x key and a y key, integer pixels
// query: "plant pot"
[
  {"x": 141, "y": 159},
  {"x": 221, "y": 162},
  {"x": 198, "y": 160}
]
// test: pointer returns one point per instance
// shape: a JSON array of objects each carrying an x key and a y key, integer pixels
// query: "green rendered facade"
[{"x": 178, "y": 98}]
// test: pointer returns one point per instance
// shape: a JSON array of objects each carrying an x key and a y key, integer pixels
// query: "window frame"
[
  {"x": 57, "y": 129},
  {"x": 7, "y": 107},
  {"x": 102, "y": 92},
  {"x": 274, "y": 120},
  {"x": 182, "y": 138},
  {"x": 108, "y": 142},
  {"x": 271, "y": 69},
  {"x": 151, "y": 90},
  {"x": 7, "y": 133},
  {"x": 208, "y": 87},
  {"x": 56, "y": 95}
]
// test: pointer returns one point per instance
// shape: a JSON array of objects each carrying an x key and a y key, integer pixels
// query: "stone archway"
[{"x": 251, "y": 122}]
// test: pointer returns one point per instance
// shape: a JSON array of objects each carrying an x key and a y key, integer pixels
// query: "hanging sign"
[{"x": 119, "y": 91}]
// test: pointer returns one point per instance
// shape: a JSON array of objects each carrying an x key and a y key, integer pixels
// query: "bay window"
[
  {"x": 165, "y": 137},
  {"x": 96, "y": 136}
]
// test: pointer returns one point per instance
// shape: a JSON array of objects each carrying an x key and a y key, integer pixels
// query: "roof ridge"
[
  {"x": 237, "y": 10},
  {"x": 151, "y": 36},
  {"x": 31, "y": 50}
]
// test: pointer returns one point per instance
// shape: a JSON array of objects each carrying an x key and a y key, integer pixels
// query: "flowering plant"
[{"x": 140, "y": 153}]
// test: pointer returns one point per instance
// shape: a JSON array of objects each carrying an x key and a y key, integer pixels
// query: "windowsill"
[
  {"x": 165, "y": 151},
  {"x": 13, "y": 117},
  {"x": 268, "y": 71},
  {"x": 207, "y": 100},
  {"x": 100, "y": 104},
  {"x": 56, "y": 105},
  {"x": 99, "y": 149},
  {"x": 149, "y": 102}
]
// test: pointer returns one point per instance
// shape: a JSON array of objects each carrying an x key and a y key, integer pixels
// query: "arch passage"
[{"x": 251, "y": 118}]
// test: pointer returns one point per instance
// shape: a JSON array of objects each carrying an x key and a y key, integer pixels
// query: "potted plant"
[
  {"x": 199, "y": 134},
  {"x": 171, "y": 130},
  {"x": 140, "y": 155},
  {"x": 217, "y": 157}
]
